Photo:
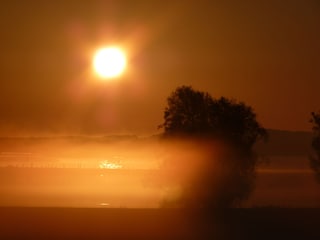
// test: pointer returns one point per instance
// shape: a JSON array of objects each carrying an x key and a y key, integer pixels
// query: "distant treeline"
[
  {"x": 280, "y": 142},
  {"x": 286, "y": 143}
]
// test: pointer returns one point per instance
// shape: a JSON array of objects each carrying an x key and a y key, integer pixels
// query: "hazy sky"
[{"x": 265, "y": 53}]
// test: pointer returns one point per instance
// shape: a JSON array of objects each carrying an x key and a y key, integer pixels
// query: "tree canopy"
[
  {"x": 192, "y": 114},
  {"x": 315, "y": 158}
]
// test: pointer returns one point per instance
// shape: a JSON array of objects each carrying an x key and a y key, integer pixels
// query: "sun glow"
[{"x": 109, "y": 62}]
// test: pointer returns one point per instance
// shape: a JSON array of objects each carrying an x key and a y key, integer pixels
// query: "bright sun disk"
[{"x": 109, "y": 62}]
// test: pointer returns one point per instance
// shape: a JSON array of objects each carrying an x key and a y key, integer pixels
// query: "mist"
[{"x": 136, "y": 172}]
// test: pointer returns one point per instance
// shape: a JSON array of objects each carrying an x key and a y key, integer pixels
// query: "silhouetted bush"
[
  {"x": 315, "y": 158},
  {"x": 211, "y": 148}
]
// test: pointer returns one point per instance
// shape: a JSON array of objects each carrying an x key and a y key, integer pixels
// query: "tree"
[
  {"x": 315, "y": 158},
  {"x": 222, "y": 130},
  {"x": 187, "y": 112}
]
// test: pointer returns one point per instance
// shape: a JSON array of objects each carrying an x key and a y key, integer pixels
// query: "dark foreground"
[{"x": 96, "y": 223}]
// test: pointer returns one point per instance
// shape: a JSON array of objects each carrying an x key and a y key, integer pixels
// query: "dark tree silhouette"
[
  {"x": 315, "y": 158},
  {"x": 187, "y": 112},
  {"x": 196, "y": 116}
]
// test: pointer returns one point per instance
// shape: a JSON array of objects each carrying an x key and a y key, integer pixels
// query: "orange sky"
[{"x": 265, "y": 53}]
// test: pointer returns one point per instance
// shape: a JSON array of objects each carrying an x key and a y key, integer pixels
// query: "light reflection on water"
[
  {"x": 104, "y": 204},
  {"x": 30, "y": 160},
  {"x": 110, "y": 165}
]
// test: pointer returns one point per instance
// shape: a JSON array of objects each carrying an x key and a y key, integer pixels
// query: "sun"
[{"x": 109, "y": 62}]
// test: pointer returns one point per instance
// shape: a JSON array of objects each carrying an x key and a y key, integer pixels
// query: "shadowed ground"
[{"x": 82, "y": 223}]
